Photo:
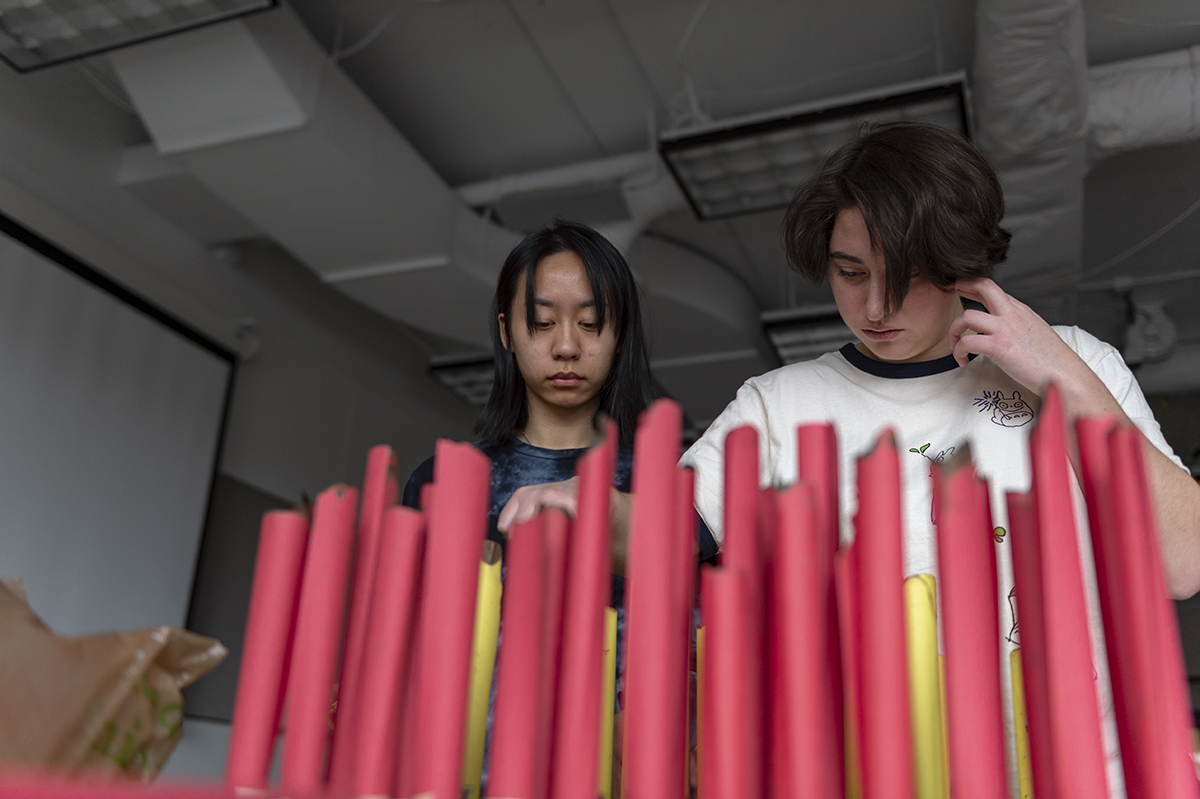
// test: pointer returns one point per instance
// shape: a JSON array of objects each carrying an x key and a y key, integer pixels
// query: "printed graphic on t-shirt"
[
  {"x": 940, "y": 457},
  {"x": 1014, "y": 633},
  {"x": 1006, "y": 411}
]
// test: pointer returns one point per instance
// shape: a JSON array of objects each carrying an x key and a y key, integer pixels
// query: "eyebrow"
[
  {"x": 841, "y": 256},
  {"x": 541, "y": 303}
]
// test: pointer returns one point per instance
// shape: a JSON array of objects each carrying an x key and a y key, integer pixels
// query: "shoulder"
[
  {"x": 1092, "y": 350},
  {"x": 423, "y": 474},
  {"x": 420, "y": 476}
]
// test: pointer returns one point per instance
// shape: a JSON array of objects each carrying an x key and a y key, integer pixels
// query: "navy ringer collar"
[{"x": 899, "y": 370}]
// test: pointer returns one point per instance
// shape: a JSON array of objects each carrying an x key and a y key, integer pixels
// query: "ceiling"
[{"x": 481, "y": 89}]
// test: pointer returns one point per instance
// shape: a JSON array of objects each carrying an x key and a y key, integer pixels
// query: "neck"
[{"x": 559, "y": 428}]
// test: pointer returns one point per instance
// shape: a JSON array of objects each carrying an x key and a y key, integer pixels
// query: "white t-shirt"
[{"x": 934, "y": 408}]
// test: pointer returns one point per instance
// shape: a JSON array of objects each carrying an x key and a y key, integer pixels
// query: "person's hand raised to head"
[{"x": 1013, "y": 336}]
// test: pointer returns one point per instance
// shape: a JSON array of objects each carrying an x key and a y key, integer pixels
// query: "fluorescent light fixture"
[
  {"x": 755, "y": 163},
  {"x": 468, "y": 376},
  {"x": 802, "y": 334},
  {"x": 38, "y": 33}
]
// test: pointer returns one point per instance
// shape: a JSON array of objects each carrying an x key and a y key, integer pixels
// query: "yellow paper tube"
[
  {"x": 483, "y": 661},
  {"x": 1021, "y": 723},
  {"x": 945, "y": 725},
  {"x": 607, "y": 701},
  {"x": 924, "y": 686}
]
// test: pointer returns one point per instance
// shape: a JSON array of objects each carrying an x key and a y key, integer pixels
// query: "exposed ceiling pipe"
[
  {"x": 1144, "y": 102},
  {"x": 1031, "y": 103}
]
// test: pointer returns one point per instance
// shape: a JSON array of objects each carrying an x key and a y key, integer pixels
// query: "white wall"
[{"x": 330, "y": 378}]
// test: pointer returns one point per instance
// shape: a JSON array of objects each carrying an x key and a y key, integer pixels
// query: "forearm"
[{"x": 1177, "y": 502}]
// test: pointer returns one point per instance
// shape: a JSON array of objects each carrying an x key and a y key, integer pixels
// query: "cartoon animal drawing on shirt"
[{"x": 1006, "y": 411}]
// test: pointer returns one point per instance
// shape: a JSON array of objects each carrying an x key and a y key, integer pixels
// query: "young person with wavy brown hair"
[{"x": 904, "y": 223}]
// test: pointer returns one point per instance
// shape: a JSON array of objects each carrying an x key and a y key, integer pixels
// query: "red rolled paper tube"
[
  {"x": 516, "y": 760},
  {"x": 457, "y": 526},
  {"x": 556, "y": 530},
  {"x": 270, "y": 623},
  {"x": 380, "y": 489},
  {"x": 408, "y": 765},
  {"x": 1139, "y": 540},
  {"x": 1075, "y": 737},
  {"x": 886, "y": 734},
  {"x": 727, "y": 753},
  {"x": 845, "y": 583},
  {"x": 818, "y": 466},
  {"x": 684, "y": 580},
  {"x": 385, "y": 662},
  {"x": 1027, "y": 574},
  {"x": 800, "y": 598},
  {"x": 741, "y": 549},
  {"x": 318, "y": 641},
  {"x": 652, "y": 615},
  {"x": 580, "y": 679},
  {"x": 967, "y": 568},
  {"x": 1126, "y": 636},
  {"x": 774, "y": 768}
]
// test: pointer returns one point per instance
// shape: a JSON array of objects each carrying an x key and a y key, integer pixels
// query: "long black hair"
[{"x": 627, "y": 388}]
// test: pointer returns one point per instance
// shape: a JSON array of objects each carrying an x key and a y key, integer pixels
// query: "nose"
[
  {"x": 566, "y": 342},
  {"x": 876, "y": 303}
]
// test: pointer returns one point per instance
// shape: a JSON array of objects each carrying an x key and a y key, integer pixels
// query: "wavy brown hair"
[{"x": 931, "y": 201}]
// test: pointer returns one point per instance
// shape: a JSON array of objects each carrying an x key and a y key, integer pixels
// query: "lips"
[
  {"x": 566, "y": 380},
  {"x": 881, "y": 335}
]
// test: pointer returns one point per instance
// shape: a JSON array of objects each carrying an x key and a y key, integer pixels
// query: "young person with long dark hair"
[{"x": 569, "y": 346}]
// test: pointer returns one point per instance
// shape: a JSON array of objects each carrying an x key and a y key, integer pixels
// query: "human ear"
[{"x": 503, "y": 331}]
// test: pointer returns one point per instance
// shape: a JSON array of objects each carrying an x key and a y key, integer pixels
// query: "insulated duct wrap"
[
  {"x": 1031, "y": 101},
  {"x": 1144, "y": 102}
]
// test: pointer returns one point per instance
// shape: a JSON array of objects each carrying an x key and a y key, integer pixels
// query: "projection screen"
[{"x": 111, "y": 414}]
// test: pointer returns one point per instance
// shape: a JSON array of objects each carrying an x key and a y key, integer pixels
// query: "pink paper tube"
[
  {"x": 1075, "y": 739},
  {"x": 727, "y": 753},
  {"x": 967, "y": 569},
  {"x": 845, "y": 583},
  {"x": 684, "y": 581},
  {"x": 318, "y": 641},
  {"x": 583, "y": 629},
  {"x": 886, "y": 734},
  {"x": 270, "y": 623},
  {"x": 386, "y": 660},
  {"x": 803, "y": 703},
  {"x": 408, "y": 770},
  {"x": 1126, "y": 638},
  {"x": 457, "y": 526},
  {"x": 1137, "y": 529},
  {"x": 818, "y": 466},
  {"x": 652, "y": 615},
  {"x": 1027, "y": 574},
  {"x": 556, "y": 531},
  {"x": 516, "y": 760},
  {"x": 741, "y": 549},
  {"x": 380, "y": 490},
  {"x": 774, "y": 768}
]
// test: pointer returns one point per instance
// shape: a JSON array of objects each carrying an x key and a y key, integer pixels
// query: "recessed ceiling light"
[
  {"x": 38, "y": 33},
  {"x": 755, "y": 163}
]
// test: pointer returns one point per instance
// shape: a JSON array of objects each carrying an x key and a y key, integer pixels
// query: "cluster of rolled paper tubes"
[{"x": 819, "y": 672}]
